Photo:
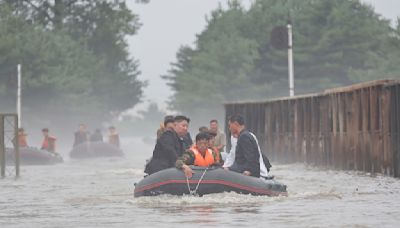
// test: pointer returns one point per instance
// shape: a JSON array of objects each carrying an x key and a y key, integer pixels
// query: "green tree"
[
  {"x": 335, "y": 43},
  {"x": 223, "y": 59},
  {"x": 345, "y": 36},
  {"x": 73, "y": 52},
  {"x": 382, "y": 64},
  {"x": 55, "y": 72}
]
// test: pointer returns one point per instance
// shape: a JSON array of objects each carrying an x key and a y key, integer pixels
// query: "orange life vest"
[
  {"x": 49, "y": 143},
  {"x": 199, "y": 160},
  {"x": 216, "y": 151},
  {"x": 22, "y": 140}
]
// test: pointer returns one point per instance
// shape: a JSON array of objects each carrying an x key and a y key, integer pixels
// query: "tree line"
[
  {"x": 74, "y": 56},
  {"x": 336, "y": 43}
]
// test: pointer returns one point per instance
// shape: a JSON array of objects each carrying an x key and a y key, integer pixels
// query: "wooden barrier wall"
[{"x": 349, "y": 128}]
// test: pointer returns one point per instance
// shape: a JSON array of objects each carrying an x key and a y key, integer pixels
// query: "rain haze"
[
  {"x": 167, "y": 25},
  {"x": 95, "y": 147}
]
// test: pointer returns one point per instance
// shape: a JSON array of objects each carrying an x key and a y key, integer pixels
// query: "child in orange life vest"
[
  {"x": 198, "y": 155},
  {"x": 49, "y": 142}
]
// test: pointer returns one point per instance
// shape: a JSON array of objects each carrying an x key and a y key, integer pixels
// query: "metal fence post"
[
  {"x": 16, "y": 145},
  {"x": 2, "y": 148}
]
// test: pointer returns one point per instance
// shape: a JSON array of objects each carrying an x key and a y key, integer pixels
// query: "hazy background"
[
  {"x": 99, "y": 192},
  {"x": 167, "y": 25}
]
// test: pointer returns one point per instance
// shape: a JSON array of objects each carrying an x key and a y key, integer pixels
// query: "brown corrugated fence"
[{"x": 348, "y": 128}]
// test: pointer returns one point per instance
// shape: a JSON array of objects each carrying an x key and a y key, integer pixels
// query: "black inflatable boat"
[
  {"x": 95, "y": 149},
  {"x": 33, "y": 156},
  {"x": 206, "y": 181}
]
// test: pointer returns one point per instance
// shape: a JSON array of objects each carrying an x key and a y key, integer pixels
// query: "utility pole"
[
  {"x": 18, "y": 71},
  {"x": 19, "y": 95},
  {"x": 290, "y": 57}
]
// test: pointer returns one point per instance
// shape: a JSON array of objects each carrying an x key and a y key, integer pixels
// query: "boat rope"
[{"x": 194, "y": 191}]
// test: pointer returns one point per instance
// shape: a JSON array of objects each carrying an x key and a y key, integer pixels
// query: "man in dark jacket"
[
  {"x": 81, "y": 135},
  {"x": 247, "y": 159},
  {"x": 168, "y": 147},
  {"x": 187, "y": 141},
  {"x": 97, "y": 136}
]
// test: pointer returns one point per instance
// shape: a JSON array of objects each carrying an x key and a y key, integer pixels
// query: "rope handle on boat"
[{"x": 194, "y": 192}]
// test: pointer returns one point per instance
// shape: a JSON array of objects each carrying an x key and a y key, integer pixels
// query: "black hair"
[
  {"x": 45, "y": 130},
  {"x": 212, "y": 133},
  {"x": 168, "y": 119},
  {"x": 237, "y": 118},
  {"x": 203, "y": 129},
  {"x": 213, "y": 121},
  {"x": 181, "y": 118},
  {"x": 202, "y": 136}
]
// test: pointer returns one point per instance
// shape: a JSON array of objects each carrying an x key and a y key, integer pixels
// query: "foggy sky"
[{"x": 169, "y": 24}]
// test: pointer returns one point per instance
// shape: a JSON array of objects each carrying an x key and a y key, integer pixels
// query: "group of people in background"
[
  {"x": 175, "y": 148},
  {"x": 83, "y": 136},
  {"x": 48, "y": 143}
]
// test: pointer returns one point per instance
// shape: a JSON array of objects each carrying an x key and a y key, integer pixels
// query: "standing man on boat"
[
  {"x": 199, "y": 155},
  {"x": 81, "y": 135},
  {"x": 49, "y": 142},
  {"x": 169, "y": 146},
  {"x": 248, "y": 159},
  {"x": 113, "y": 136},
  {"x": 220, "y": 137},
  {"x": 230, "y": 157},
  {"x": 96, "y": 136}
]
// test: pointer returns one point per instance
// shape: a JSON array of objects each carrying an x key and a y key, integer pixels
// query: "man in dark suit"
[
  {"x": 247, "y": 159},
  {"x": 169, "y": 146}
]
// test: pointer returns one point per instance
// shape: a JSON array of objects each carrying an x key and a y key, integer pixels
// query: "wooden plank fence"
[{"x": 347, "y": 128}]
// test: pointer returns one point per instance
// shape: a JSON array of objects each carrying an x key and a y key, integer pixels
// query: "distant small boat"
[
  {"x": 95, "y": 149},
  {"x": 213, "y": 180},
  {"x": 33, "y": 156}
]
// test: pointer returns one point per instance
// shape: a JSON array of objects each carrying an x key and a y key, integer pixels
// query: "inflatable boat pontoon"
[
  {"x": 33, "y": 156},
  {"x": 206, "y": 181}
]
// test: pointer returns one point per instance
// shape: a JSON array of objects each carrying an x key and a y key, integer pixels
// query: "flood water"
[{"x": 99, "y": 193}]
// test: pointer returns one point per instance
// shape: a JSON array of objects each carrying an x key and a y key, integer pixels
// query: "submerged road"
[{"x": 99, "y": 193}]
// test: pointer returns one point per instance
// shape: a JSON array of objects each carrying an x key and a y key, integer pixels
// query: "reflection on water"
[
  {"x": 247, "y": 209},
  {"x": 99, "y": 193}
]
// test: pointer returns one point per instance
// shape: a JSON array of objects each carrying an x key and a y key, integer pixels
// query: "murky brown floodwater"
[{"x": 99, "y": 193}]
